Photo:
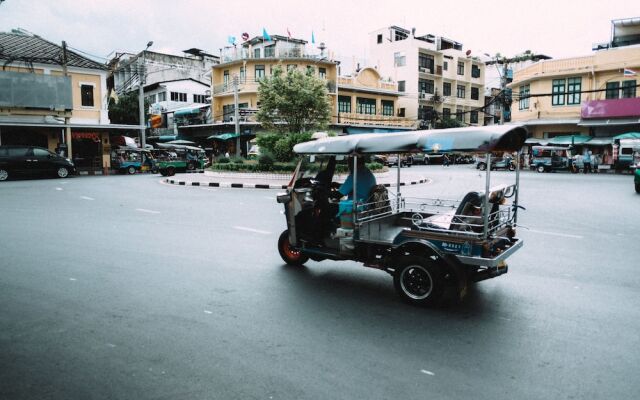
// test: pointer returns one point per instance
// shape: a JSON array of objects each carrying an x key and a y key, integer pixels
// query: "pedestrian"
[
  {"x": 445, "y": 160},
  {"x": 586, "y": 160}
]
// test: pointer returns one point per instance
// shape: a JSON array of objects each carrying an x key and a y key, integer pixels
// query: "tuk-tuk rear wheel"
[
  {"x": 289, "y": 254},
  {"x": 541, "y": 168},
  {"x": 131, "y": 170},
  {"x": 419, "y": 281}
]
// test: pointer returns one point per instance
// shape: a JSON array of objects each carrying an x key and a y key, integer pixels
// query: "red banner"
[{"x": 86, "y": 135}]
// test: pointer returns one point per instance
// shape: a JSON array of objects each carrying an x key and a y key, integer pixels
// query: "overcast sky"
[{"x": 559, "y": 28}]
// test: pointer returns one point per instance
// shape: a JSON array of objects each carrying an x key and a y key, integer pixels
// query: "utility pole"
[
  {"x": 236, "y": 114},
  {"x": 66, "y": 137},
  {"x": 141, "y": 78}
]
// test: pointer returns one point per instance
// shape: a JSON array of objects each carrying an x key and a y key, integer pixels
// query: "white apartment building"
[{"x": 434, "y": 73}]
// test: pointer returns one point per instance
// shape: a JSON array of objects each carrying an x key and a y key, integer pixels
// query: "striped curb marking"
[{"x": 262, "y": 185}]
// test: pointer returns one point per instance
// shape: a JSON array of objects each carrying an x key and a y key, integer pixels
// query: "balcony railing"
[
  {"x": 275, "y": 54},
  {"x": 377, "y": 119},
  {"x": 251, "y": 85}
]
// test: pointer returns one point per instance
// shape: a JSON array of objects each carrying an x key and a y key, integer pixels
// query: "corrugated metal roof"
[{"x": 34, "y": 49}]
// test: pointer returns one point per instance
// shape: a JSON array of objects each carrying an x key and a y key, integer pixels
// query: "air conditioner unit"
[
  {"x": 423, "y": 95},
  {"x": 422, "y": 69}
]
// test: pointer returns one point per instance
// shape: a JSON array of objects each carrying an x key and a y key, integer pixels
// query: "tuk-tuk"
[
  {"x": 172, "y": 158},
  {"x": 132, "y": 159},
  {"x": 431, "y": 246},
  {"x": 550, "y": 158}
]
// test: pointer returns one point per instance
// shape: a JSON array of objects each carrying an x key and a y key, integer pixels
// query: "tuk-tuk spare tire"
[
  {"x": 419, "y": 281},
  {"x": 290, "y": 255}
]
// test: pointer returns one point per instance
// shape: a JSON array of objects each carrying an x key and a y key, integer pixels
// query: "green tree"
[
  {"x": 125, "y": 110},
  {"x": 448, "y": 123},
  {"x": 298, "y": 100}
]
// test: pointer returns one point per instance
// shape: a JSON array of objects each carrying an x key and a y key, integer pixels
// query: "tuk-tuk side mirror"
[{"x": 312, "y": 158}]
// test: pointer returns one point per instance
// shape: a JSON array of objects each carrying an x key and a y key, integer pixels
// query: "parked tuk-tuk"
[
  {"x": 431, "y": 246},
  {"x": 174, "y": 158},
  {"x": 550, "y": 158},
  {"x": 132, "y": 159}
]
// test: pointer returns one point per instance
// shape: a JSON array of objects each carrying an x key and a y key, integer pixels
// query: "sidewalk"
[{"x": 278, "y": 181}]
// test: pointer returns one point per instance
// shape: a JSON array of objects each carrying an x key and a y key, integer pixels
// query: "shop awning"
[
  {"x": 224, "y": 136},
  {"x": 536, "y": 141},
  {"x": 569, "y": 139},
  {"x": 599, "y": 141},
  {"x": 187, "y": 112},
  {"x": 609, "y": 122},
  {"x": 628, "y": 135}
]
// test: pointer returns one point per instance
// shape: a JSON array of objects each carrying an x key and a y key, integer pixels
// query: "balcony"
[
  {"x": 374, "y": 120},
  {"x": 612, "y": 108},
  {"x": 295, "y": 53},
  {"x": 251, "y": 85},
  {"x": 381, "y": 86},
  {"x": 437, "y": 71}
]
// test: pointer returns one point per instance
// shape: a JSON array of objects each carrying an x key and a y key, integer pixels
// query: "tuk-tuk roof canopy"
[{"x": 472, "y": 139}]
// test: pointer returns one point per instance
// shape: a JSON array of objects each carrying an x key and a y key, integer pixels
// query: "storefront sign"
[{"x": 86, "y": 135}]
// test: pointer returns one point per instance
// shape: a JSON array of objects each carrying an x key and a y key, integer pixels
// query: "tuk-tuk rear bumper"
[{"x": 491, "y": 262}]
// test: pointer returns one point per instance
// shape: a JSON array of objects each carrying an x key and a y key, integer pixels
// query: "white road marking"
[
  {"x": 87, "y": 198},
  {"x": 208, "y": 312},
  {"x": 242, "y": 228},
  {"x": 111, "y": 345},
  {"x": 424, "y": 371},
  {"x": 72, "y": 279},
  {"x": 270, "y": 198},
  {"x": 144, "y": 210},
  {"x": 567, "y": 235},
  {"x": 58, "y": 188}
]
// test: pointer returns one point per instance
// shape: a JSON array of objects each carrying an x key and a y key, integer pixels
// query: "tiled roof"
[{"x": 34, "y": 49}]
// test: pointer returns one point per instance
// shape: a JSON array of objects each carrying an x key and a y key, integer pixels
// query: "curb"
[{"x": 263, "y": 185}]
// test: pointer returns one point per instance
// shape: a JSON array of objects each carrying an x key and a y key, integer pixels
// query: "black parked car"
[{"x": 32, "y": 161}]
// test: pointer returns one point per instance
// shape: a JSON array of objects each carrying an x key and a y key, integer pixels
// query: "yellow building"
[
  {"x": 366, "y": 102},
  {"x": 40, "y": 106},
  {"x": 256, "y": 59},
  {"x": 593, "y": 95}
]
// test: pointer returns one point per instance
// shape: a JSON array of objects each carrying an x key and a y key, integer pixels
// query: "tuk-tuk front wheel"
[
  {"x": 541, "y": 168},
  {"x": 131, "y": 170},
  {"x": 289, "y": 254},
  {"x": 419, "y": 281}
]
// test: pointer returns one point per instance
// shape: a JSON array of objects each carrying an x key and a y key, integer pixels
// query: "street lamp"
[{"x": 141, "y": 78}]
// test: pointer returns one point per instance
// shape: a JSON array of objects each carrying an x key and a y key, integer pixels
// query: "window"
[
  {"x": 475, "y": 93},
  {"x": 459, "y": 114},
  {"x": 523, "y": 103},
  {"x": 574, "y": 86},
  {"x": 445, "y": 65},
  {"x": 557, "y": 91},
  {"x": 426, "y": 61},
  {"x": 256, "y": 53},
  {"x": 322, "y": 72},
  {"x": 225, "y": 77},
  {"x": 311, "y": 70},
  {"x": 228, "y": 111},
  {"x": 86, "y": 93},
  {"x": 152, "y": 99},
  {"x": 270, "y": 51},
  {"x": 475, "y": 71},
  {"x": 473, "y": 115},
  {"x": 401, "y": 112},
  {"x": 446, "y": 113},
  {"x": 425, "y": 113},
  {"x": 460, "y": 92},
  {"x": 243, "y": 74},
  {"x": 399, "y": 59},
  {"x": 460, "y": 68},
  {"x": 177, "y": 96},
  {"x": 41, "y": 152},
  {"x": 387, "y": 107},
  {"x": 446, "y": 89},
  {"x": 365, "y": 106},
  {"x": 628, "y": 89},
  {"x": 401, "y": 86},
  {"x": 613, "y": 89},
  {"x": 379, "y": 38},
  {"x": 199, "y": 98},
  {"x": 259, "y": 72},
  {"x": 344, "y": 104},
  {"x": 162, "y": 96},
  {"x": 425, "y": 85}
]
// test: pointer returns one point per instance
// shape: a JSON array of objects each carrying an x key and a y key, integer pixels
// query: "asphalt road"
[{"x": 125, "y": 288}]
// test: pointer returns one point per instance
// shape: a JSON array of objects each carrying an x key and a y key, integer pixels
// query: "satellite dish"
[{"x": 468, "y": 53}]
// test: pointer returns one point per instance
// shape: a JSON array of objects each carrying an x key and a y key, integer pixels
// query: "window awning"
[
  {"x": 536, "y": 141},
  {"x": 599, "y": 141},
  {"x": 628, "y": 135},
  {"x": 187, "y": 112},
  {"x": 224, "y": 136}
]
